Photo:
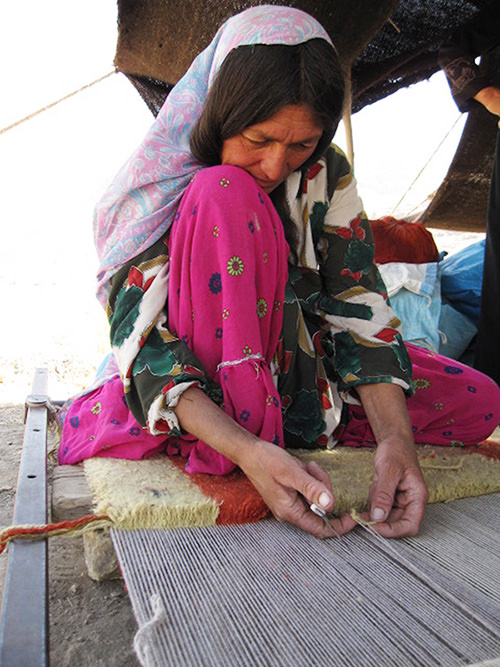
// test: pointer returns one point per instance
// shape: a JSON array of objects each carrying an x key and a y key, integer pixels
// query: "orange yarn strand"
[{"x": 50, "y": 529}]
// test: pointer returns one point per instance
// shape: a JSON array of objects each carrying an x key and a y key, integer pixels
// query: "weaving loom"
[{"x": 268, "y": 594}]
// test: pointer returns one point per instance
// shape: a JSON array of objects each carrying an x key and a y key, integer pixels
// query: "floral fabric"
[
  {"x": 281, "y": 348},
  {"x": 218, "y": 322}
]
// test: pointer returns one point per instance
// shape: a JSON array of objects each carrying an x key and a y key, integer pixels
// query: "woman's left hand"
[{"x": 398, "y": 495}]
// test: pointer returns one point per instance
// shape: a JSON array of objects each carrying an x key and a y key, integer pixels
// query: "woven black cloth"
[{"x": 400, "y": 53}]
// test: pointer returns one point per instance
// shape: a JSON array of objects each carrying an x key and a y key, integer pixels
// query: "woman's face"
[{"x": 271, "y": 150}]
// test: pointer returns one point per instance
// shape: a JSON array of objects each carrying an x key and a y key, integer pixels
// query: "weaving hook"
[{"x": 319, "y": 511}]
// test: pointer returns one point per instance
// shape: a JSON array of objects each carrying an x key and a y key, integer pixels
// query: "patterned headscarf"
[{"x": 140, "y": 204}]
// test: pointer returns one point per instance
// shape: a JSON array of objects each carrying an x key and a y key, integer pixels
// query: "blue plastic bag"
[
  {"x": 461, "y": 280},
  {"x": 456, "y": 332},
  {"x": 419, "y": 308}
]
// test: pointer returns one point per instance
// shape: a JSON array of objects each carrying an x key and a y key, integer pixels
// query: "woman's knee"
[
  {"x": 453, "y": 402},
  {"x": 227, "y": 192},
  {"x": 477, "y": 407},
  {"x": 225, "y": 179},
  {"x": 226, "y": 203},
  {"x": 486, "y": 396}
]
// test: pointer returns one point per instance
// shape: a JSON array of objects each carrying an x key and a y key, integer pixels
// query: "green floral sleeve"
[
  {"x": 365, "y": 331},
  {"x": 156, "y": 367}
]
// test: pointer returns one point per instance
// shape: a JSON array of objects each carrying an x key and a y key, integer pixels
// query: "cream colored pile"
[
  {"x": 147, "y": 494},
  {"x": 449, "y": 473},
  {"x": 156, "y": 494}
]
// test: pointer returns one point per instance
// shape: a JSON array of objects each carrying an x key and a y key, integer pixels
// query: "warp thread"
[
  {"x": 141, "y": 644},
  {"x": 41, "y": 532},
  {"x": 430, "y": 582}
]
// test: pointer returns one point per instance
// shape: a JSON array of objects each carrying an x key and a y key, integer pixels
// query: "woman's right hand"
[{"x": 288, "y": 487}]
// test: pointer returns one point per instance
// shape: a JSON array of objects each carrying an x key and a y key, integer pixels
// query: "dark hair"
[{"x": 255, "y": 82}]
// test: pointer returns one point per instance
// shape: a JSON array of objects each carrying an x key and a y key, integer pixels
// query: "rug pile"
[{"x": 156, "y": 493}]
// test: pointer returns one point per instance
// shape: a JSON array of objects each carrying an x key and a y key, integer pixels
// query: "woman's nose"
[{"x": 274, "y": 164}]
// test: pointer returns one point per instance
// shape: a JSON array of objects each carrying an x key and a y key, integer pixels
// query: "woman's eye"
[{"x": 256, "y": 142}]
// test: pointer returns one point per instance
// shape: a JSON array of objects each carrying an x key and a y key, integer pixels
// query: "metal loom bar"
[{"x": 24, "y": 622}]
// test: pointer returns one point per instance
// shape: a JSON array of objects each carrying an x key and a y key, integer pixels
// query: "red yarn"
[
  {"x": 403, "y": 241},
  {"x": 47, "y": 530}
]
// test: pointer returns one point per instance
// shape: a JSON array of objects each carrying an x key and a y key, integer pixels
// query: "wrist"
[
  {"x": 249, "y": 451},
  {"x": 397, "y": 450}
]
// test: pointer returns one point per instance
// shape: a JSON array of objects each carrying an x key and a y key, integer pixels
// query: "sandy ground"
[{"x": 91, "y": 624}]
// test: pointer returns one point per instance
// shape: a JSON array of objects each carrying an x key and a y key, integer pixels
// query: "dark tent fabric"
[
  {"x": 462, "y": 198},
  {"x": 385, "y": 44}
]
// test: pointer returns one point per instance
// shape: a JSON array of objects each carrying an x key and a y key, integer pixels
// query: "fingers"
[
  {"x": 398, "y": 495},
  {"x": 382, "y": 496},
  {"x": 306, "y": 520},
  {"x": 398, "y": 499},
  {"x": 404, "y": 521},
  {"x": 314, "y": 484},
  {"x": 398, "y": 525},
  {"x": 326, "y": 498},
  {"x": 402, "y": 515}
]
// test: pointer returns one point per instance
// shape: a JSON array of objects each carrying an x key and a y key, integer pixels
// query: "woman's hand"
[
  {"x": 398, "y": 495},
  {"x": 289, "y": 486}
]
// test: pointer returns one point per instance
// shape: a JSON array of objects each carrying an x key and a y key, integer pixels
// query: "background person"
[{"x": 473, "y": 84}]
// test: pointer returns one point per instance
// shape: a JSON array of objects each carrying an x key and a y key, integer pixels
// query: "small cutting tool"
[{"x": 322, "y": 513}]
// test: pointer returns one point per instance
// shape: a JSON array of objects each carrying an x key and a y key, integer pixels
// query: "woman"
[{"x": 245, "y": 308}]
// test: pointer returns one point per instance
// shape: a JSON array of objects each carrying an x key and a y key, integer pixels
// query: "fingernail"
[
  {"x": 377, "y": 514},
  {"x": 324, "y": 499}
]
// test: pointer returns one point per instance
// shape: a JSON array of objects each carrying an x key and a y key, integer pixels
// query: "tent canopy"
[{"x": 385, "y": 44}]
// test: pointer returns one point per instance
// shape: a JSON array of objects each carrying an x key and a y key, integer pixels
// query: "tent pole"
[{"x": 346, "y": 117}]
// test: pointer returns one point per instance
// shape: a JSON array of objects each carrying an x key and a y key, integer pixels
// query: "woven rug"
[{"x": 156, "y": 493}]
